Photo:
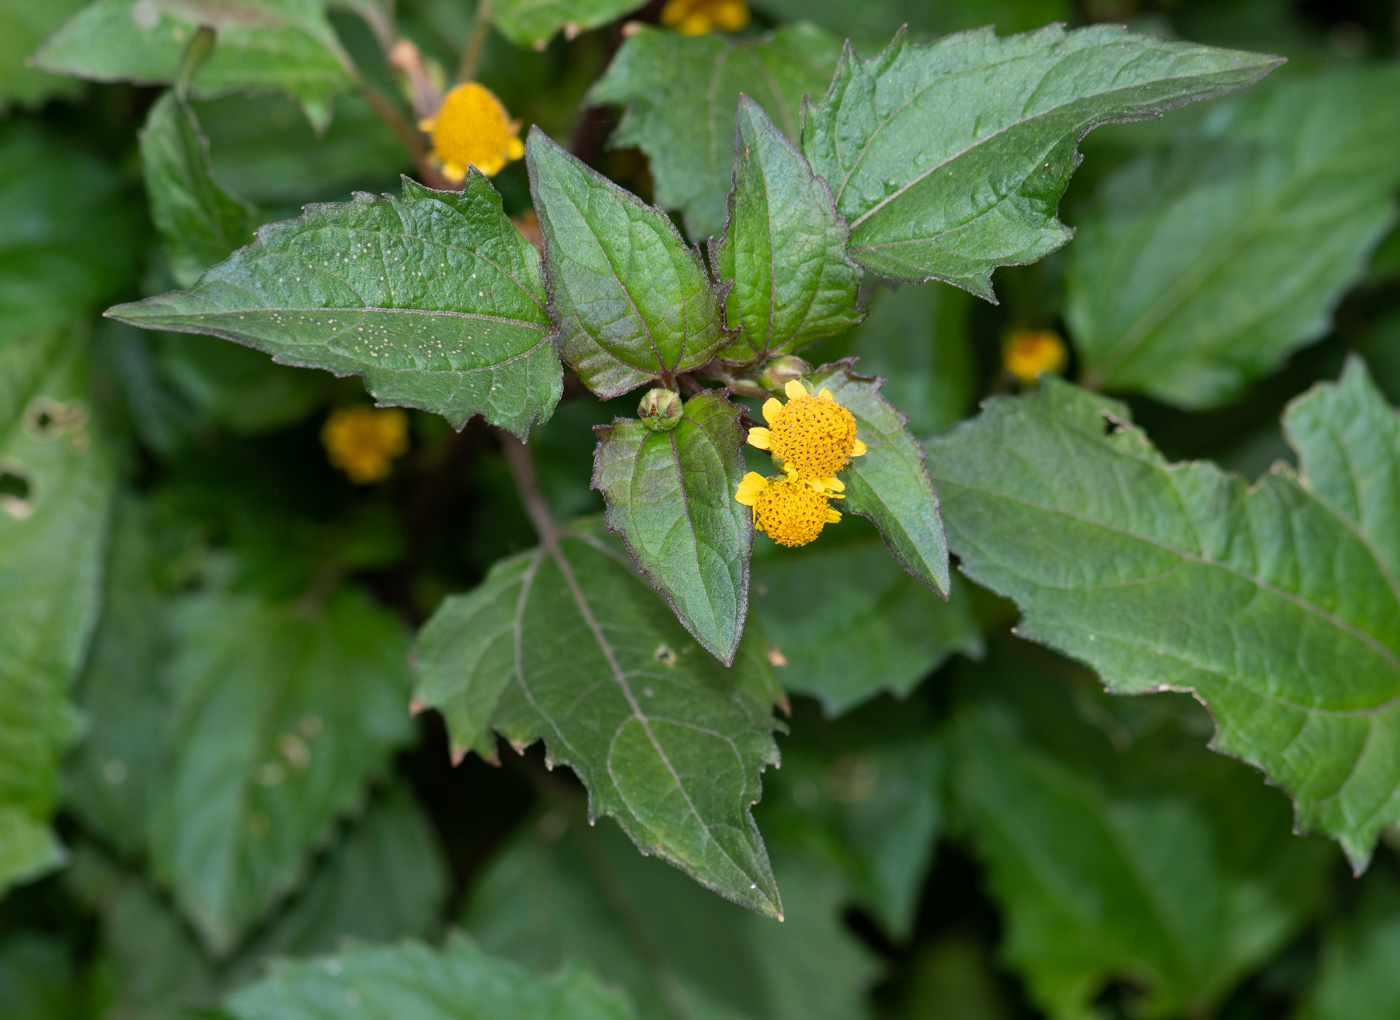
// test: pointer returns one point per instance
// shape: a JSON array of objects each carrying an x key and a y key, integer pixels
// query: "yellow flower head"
[
  {"x": 813, "y": 437},
  {"x": 472, "y": 128},
  {"x": 792, "y": 512},
  {"x": 1028, "y": 352},
  {"x": 696, "y": 17},
  {"x": 362, "y": 441}
]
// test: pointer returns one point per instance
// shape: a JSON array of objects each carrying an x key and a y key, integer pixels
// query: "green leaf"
[
  {"x": 850, "y": 623},
  {"x": 383, "y": 880},
  {"x": 534, "y": 22},
  {"x": 200, "y": 221},
  {"x": 236, "y": 387},
  {"x": 281, "y": 715},
  {"x": 569, "y": 644},
  {"x": 457, "y": 982},
  {"x": 23, "y": 25},
  {"x": 865, "y": 795},
  {"x": 877, "y": 20},
  {"x": 261, "y": 44},
  {"x": 562, "y": 891},
  {"x": 260, "y": 147},
  {"x": 630, "y": 301},
  {"x": 950, "y": 159},
  {"x": 890, "y": 484},
  {"x": 680, "y": 92},
  {"x": 1277, "y": 605},
  {"x": 70, "y": 236},
  {"x": 671, "y": 498},
  {"x": 38, "y": 980},
  {"x": 784, "y": 248},
  {"x": 1094, "y": 887},
  {"x": 112, "y": 775},
  {"x": 56, "y": 477},
  {"x": 919, "y": 339},
  {"x": 1357, "y": 975},
  {"x": 434, "y": 298},
  {"x": 1200, "y": 268}
]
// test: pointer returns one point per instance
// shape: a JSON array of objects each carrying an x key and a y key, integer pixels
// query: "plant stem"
[
  {"x": 522, "y": 469},
  {"x": 476, "y": 42}
]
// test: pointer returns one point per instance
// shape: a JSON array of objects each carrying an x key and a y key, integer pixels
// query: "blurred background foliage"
[{"x": 964, "y": 827}]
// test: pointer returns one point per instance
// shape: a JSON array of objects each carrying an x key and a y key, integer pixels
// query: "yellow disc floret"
[
  {"x": 696, "y": 17},
  {"x": 792, "y": 512},
  {"x": 472, "y": 128},
  {"x": 362, "y": 441},
  {"x": 812, "y": 437},
  {"x": 1028, "y": 352}
]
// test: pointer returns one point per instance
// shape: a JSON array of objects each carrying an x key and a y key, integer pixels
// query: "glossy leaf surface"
[
  {"x": 671, "y": 497},
  {"x": 630, "y": 301},
  {"x": 434, "y": 298},
  {"x": 784, "y": 248},
  {"x": 950, "y": 159}
]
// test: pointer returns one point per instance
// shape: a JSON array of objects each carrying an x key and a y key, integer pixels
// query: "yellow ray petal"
[
  {"x": 832, "y": 516},
  {"x": 772, "y": 407},
  {"x": 760, "y": 437},
  {"x": 858, "y": 450},
  {"x": 795, "y": 390},
  {"x": 825, "y": 394},
  {"x": 750, "y": 486}
]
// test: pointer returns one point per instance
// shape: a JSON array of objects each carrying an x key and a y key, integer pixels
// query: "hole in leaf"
[
  {"x": 45, "y": 418},
  {"x": 15, "y": 491}
]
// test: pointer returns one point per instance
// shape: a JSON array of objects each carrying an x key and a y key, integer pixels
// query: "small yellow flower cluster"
[
  {"x": 811, "y": 438},
  {"x": 362, "y": 441},
  {"x": 1029, "y": 352},
  {"x": 697, "y": 17},
  {"x": 473, "y": 128}
]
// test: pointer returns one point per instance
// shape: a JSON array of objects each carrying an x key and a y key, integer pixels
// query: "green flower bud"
[
  {"x": 660, "y": 410},
  {"x": 782, "y": 370}
]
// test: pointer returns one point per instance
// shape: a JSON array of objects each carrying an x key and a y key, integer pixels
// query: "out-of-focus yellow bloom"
[
  {"x": 473, "y": 128},
  {"x": 1028, "y": 352},
  {"x": 812, "y": 437},
  {"x": 363, "y": 441},
  {"x": 696, "y": 17},
  {"x": 792, "y": 512}
]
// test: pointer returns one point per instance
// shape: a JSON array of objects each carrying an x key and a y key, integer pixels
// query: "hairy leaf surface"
[
  {"x": 1278, "y": 605},
  {"x": 281, "y": 715},
  {"x": 630, "y": 301},
  {"x": 200, "y": 221},
  {"x": 562, "y": 891},
  {"x": 671, "y": 498},
  {"x": 950, "y": 159},
  {"x": 570, "y": 645},
  {"x": 1201, "y": 267},
  {"x": 457, "y": 982},
  {"x": 534, "y": 22},
  {"x": 890, "y": 484},
  {"x": 850, "y": 623},
  {"x": 57, "y": 470},
  {"x": 261, "y": 44},
  {"x": 680, "y": 92},
  {"x": 784, "y": 248},
  {"x": 434, "y": 298}
]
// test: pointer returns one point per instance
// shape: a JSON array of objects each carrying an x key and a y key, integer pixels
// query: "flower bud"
[
  {"x": 780, "y": 371},
  {"x": 660, "y": 410}
]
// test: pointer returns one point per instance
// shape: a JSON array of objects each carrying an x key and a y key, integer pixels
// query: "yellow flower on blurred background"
[
  {"x": 696, "y": 17},
  {"x": 791, "y": 512},
  {"x": 473, "y": 128},
  {"x": 363, "y": 441},
  {"x": 1028, "y": 352}
]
